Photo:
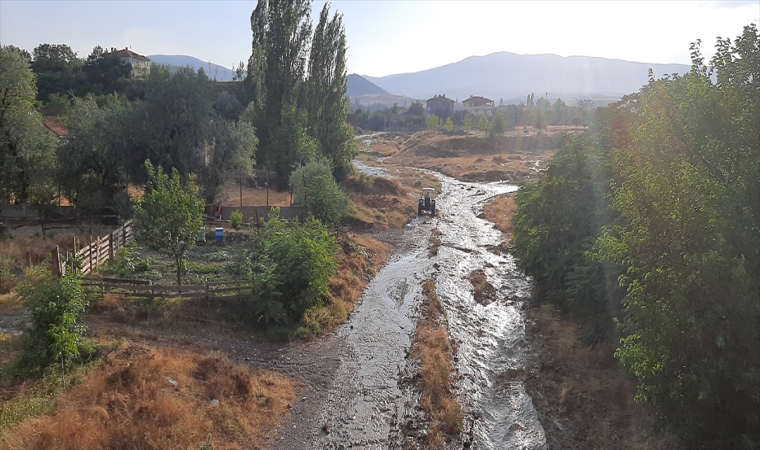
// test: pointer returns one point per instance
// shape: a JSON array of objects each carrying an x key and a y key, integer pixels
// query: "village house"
[
  {"x": 440, "y": 106},
  {"x": 140, "y": 64},
  {"x": 478, "y": 105}
]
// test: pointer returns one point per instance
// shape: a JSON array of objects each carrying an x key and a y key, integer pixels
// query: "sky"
[{"x": 388, "y": 37}]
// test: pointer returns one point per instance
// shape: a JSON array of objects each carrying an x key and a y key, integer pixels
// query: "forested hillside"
[{"x": 647, "y": 230}]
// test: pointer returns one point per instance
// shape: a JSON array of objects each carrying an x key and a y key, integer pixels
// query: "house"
[
  {"x": 140, "y": 64},
  {"x": 440, "y": 106},
  {"x": 478, "y": 105},
  {"x": 477, "y": 102}
]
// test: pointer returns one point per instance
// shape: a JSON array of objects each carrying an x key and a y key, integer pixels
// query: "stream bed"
[{"x": 372, "y": 403}]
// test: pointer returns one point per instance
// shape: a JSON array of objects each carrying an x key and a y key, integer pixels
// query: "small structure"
[
  {"x": 440, "y": 106},
  {"x": 140, "y": 64}
]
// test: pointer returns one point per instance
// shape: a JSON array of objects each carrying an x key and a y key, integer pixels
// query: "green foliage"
[
  {"x": 128, "y": 262},
  {"x": 236, "y": 219},
  {"x": 683, "y": 220},
  {"x": 314, "y": 187},
  {"x": 433, "y": 122},
  {"x": 55, "y": 306},
  {"x": 483, "y": 123},
  {"x": 449, "y": 126},
  {"x": 556, "y": 226},
  {"x": 27, "y": 148},
  {"x": 290, "y": 265},
  {"x": 326, "y": 87},
  {"x": 498, "y": 126},
  {"x": 467, "y": 122},
  {"x": 170, "y": 215}
]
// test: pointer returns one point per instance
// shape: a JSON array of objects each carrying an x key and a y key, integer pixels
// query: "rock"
[
  {"x": 172, "y": 382},
  {"x": 214, "y": 402}
]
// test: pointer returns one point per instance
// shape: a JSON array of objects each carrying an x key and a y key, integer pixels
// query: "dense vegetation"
[{"x": 653, "y": 221}]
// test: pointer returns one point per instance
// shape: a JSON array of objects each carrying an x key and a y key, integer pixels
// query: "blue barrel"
[{"x": 219, "y": 234}]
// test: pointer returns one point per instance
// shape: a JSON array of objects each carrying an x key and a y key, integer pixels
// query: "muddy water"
[{"x": 373, "y": 401}]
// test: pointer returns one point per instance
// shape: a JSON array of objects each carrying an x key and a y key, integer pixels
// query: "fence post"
[
  {"x": 57, "y": 263},
  {"x": 110, "y": 248},
  {"x": 207, "y": 292},
  {"x": 89, "y": 253}
]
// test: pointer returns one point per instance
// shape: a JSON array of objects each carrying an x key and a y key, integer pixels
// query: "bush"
[
  {"x": 236, "y": 219},
  {"x": 314, "y": 187},
  {"x": 290, "y": 265},
  {"x": 55, "y": 306}
]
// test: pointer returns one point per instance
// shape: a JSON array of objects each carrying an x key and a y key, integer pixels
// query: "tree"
[
  {"x": 57, "y": 67},
  {"x": 27, "y": 149},
  {"x": 90, "y": 173},
  {"x": 483, "y": 123},
  {"x": 281, "y": 33},
  {"x": 55, "y": 306},
  {"x": 449, "y": 125},
  {"x": 433, "y": 122},
  {"x": 314, "y": 187},
  {"x": 498, "y": 126},
  {"x": 170, "y": 215},
  {"x": 467, "y": 122},
  {"x": 326, "y": 94},
  {"x": 539, "y": 120},
  {"x": 104, "y": 69},
  {"x": 416, "y": 109}
]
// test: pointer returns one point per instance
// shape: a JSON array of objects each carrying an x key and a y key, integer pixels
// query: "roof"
[
  {"x": 51, "y": 125},
  {"x": 477, "y": 97},
  {"x": 126, "y": 53},
  {"x": 440, "y": 98}
]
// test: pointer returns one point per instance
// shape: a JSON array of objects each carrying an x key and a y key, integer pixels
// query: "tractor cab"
[{"x": 426, "y": 202}]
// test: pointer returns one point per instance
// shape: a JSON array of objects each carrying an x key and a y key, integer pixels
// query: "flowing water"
[{"x": 373, "y": 402}]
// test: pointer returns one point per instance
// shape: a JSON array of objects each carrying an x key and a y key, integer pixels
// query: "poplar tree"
[
  {"x": 281, "y": 36},
  {"x": 326, "y": 93}
]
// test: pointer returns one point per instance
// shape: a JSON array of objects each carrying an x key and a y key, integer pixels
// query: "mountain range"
[
  {"x": 213, "y": 71},
  {"x": 511, "y": 76}
]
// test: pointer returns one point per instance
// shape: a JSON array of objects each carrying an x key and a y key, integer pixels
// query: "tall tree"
[
  {"x": 27, "y": 148},
  {"x": 326, "y": 93},
  {"x": 281, "y": 35}
]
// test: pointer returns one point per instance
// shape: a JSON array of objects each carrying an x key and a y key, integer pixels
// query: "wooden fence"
[
  {"x": 97, "y": 252},
  {"x": 140, "y": 288}
]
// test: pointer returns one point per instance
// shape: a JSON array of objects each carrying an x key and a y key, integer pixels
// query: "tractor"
[{"x": 426, "y": 203}]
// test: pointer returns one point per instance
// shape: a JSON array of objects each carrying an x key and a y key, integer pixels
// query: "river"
[{"x": 373, "y": 401}]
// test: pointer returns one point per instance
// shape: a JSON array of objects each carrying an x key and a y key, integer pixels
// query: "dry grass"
[
  {"x": 483, "y": 291},
  {"x": 470, "y": 158},
  {"x": 380, "y": 202},
  {"x": 230, "y": 195},
  {"x": 501, "y": 211},
  {"x": 586, "y": 387},
  {"x": 131, "y": 401},
  {"x": 433, "y": 349}
]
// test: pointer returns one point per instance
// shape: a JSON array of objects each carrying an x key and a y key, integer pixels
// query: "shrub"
[
  {"x": 314, "y": 187},
  {"x": 236, "y": 219},
  {"x": 290, "y": 267},
  {"x": 55, "y": 306}
]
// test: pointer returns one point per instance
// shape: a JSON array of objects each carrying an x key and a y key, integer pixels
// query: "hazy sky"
[{"x": 387, "y": 37}]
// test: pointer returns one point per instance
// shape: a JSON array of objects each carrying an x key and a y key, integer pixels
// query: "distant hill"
[
  {"x": 358, "y": 85},
  {"x": 214, "y": 72},
  {"x": 509, "y": 75}
]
